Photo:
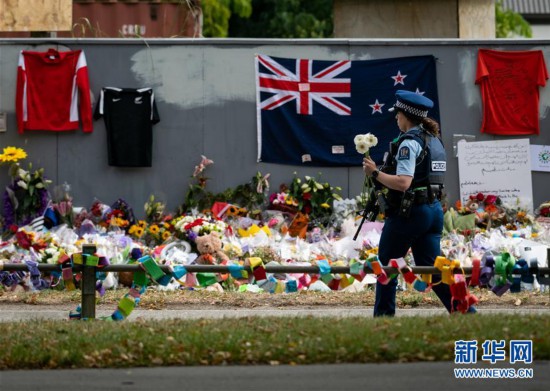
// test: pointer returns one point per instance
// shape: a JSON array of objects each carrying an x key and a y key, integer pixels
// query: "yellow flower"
[
  {"x": 142, "y": 224},
  {"x": 12, "y": 154},
  {"x": 166, "y": 235},
  {"x": 139, "y": 232},
  {"x": 325, "y": 205},
  {"x": 166, "y": 225},
  {"x": 133, "y": 229},
  {"x": 154, "y": 229}
]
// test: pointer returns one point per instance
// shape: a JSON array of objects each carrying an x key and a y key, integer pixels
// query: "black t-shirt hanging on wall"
[{"x": 129, "y": 116}]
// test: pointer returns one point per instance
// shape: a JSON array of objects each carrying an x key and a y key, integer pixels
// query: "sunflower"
[
  {"x": 232, "y": 211},
  {"x": 166, "y": 235},
  {"x": 154, "y": 229},
  {"x": 142, "y": 224},
  {"x": 139, "y": 232},
  {"x": 12, "y": 154}
]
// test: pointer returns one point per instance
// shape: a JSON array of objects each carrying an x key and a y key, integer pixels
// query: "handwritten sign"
[{"x": 500, "y": 167}]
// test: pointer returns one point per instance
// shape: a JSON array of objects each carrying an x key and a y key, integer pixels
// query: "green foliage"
[
  {"x": 244, "y": 195},
  {"x": 510, "y": 24},
  {"x": 216, "y": 15},
  {"x": 314, "y": 198},
  {"x": 285, "y": 19}
]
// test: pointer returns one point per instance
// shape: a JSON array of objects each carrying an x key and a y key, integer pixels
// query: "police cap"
[{"x": 412, "y": 103}]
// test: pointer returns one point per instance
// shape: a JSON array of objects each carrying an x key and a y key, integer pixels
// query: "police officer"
[{"x": 413, "y": 173}]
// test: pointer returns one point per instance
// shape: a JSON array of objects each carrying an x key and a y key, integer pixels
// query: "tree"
[
  {"x": 216, "y": 15},
  {"x": 510, "y": 24},
  {"x": 285, "y": 19}
]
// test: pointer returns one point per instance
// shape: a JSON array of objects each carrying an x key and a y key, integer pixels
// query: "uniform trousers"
[{"x": 420, "y": 232}]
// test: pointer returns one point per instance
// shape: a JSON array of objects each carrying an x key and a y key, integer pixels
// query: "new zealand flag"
[{"x": 309, "y": 111}]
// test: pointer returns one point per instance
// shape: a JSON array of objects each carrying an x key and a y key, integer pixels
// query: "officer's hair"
[{"x": 429, "y": 124}]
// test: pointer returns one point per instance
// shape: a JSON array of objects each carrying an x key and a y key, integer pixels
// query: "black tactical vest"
[{"x": 431, "y": 164}]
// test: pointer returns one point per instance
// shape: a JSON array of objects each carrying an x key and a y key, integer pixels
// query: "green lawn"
[{"x": 302, "y": 340}]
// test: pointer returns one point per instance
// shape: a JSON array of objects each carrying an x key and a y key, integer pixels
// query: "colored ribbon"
[{"x": 476, "y": 269}]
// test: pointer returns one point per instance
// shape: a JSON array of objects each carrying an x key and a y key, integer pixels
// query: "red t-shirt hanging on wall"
[
  {"x": 509, "y": 83},
  {"x": 53, "y": 91}
]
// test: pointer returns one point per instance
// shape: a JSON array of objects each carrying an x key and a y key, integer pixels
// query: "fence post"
[{"x": 88, "y": 284}]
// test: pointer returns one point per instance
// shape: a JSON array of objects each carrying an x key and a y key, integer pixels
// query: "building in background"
[
  {"x": 536, "y": 12},
  {"x": 468, "y": 19},
  {"x": 101, "y": 18}
]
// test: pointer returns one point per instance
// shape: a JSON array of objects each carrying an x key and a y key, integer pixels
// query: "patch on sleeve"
[{"x": 404, "y": 153}]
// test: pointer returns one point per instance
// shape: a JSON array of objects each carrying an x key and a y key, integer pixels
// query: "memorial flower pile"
[
  {"x": 26, "y": 197},
  {"x": 190, "y": 227},
  {"x": 323, "y": 234}
]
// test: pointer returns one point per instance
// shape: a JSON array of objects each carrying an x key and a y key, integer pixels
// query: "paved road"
[
  {"x": 28, "y": 312},
  {"x": 390, "y": 377}
]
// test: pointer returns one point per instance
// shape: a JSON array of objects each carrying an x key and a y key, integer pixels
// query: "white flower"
[
  {"x": 22, "y": 184},
  {"x": 371, "y": 140},
  {"x": 39, "y": 185},
  {"x": 360, "y": 138},
  {"x": 318, "y": 185},
  {"x": 362, "y": 147}
]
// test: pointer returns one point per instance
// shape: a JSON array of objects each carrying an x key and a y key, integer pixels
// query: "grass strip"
[{"x": 253, "y": 340}]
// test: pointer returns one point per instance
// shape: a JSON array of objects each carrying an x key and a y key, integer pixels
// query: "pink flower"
[
  {"x": 202, "y": 165},
  {"x": 490, "y": 199}
]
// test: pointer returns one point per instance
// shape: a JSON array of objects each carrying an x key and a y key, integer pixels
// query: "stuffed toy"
[{"x": 210, "y": 249}]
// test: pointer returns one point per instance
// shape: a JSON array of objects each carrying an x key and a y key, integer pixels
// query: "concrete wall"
[
  {"x": 205, "y": 93},
  {"x": 414, "y": 19}
]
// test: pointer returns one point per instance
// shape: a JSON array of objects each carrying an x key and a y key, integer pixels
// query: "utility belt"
[{"x": 401, "y": 203}]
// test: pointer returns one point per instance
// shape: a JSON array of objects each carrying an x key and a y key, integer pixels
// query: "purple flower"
[
  {"x": 136, "y": 253},
  {"x": 191, "y": 235}
]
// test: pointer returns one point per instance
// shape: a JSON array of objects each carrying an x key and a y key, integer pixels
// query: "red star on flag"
[
  {"x": 377, "y": 107},
  {"x": 398, "y": 78}
]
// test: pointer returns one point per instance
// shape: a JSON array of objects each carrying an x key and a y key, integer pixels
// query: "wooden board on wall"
[{"x": 36, "y": 15}]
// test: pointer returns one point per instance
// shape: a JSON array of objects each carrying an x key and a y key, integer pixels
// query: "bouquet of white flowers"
[{"x": 363, "y": 144}]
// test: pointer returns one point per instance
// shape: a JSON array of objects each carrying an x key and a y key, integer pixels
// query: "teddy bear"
[{"x": 210, "y": 249}]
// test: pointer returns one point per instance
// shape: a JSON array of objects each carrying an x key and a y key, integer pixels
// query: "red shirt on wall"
[
  {"x": 53, "y": 91},
  {"x": 509, "y": 82}
]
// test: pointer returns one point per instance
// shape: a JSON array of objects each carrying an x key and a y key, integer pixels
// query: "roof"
[{"x": 528, "y": 7}]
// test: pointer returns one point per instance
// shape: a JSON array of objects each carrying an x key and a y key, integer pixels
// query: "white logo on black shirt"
[{"x": 138, "y": 100}]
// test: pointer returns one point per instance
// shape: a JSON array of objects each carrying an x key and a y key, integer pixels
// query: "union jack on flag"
[
  {"x": 304, "y": 86},
  {"x": 309, "y": 111}
]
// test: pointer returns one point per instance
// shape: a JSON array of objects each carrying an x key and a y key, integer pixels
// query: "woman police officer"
[{"x": 414, "y": 173}]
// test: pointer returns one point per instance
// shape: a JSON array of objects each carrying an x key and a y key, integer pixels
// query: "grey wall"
[{"x": 205, "y": 93}]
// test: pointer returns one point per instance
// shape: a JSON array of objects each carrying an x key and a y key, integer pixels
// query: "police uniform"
[{"x": 422, "y": 156}]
